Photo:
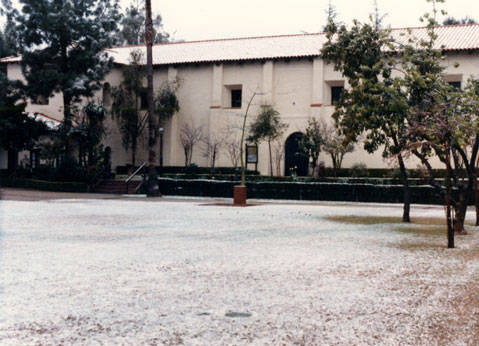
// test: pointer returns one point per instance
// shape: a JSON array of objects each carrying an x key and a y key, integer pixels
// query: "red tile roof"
[{"x": 450, "y": 38}]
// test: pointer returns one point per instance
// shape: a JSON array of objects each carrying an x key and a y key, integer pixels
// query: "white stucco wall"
[
  {"x": 54, "y": 108},
  {"x": 298, "y": 89}
]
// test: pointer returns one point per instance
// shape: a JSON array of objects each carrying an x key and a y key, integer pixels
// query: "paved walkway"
[
  {"x": 35, "y": 195},
  {"x": 14, "y": 194}
]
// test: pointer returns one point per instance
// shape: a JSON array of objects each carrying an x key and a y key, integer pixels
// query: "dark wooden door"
[{"x": 294, "y": 159}]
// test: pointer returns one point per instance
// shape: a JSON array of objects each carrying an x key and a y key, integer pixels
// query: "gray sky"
[{"x": 208, "y": 19}]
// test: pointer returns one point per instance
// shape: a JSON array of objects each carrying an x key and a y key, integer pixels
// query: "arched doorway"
[{"x": 293, "y": 156}]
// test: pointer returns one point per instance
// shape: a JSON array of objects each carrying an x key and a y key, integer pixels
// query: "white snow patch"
[{"x": 134, "y": 272}]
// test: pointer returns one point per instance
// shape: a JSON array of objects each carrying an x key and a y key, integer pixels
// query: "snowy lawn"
[{"x": 173, "y": 272}]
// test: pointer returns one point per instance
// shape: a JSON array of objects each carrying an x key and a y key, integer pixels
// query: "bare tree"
[
  {"x": 212, "y": 145},
  {"x": 335, "y": 145},
  {"x": 232, "y": 145},
  {"x": 190, "y": 135}
]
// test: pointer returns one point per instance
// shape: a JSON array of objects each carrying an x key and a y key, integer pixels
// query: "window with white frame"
[{"x": 233, "y": 96}]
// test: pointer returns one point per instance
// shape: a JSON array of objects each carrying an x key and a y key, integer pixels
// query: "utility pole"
[{"x": 153, "y": 188}]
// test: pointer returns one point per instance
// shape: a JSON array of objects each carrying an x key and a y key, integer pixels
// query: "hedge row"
[
  {"x": 262, "y": 178},
  {"x": 262, "y": 190},
  {"x": 44, "y": 185},
  {"x": 67, "y": 173},
  {"x": 328, "y": 173},
  {"x": 382, "y": 173},
  {"x": 302, "y": 191}
]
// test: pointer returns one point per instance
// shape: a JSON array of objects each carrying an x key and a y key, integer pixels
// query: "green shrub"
[
  {"x": 323, "y": 191},
  {"x": 359, "y": 170}
]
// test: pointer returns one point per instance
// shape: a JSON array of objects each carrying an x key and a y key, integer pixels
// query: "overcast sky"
[{"x": 208, "y": 19}]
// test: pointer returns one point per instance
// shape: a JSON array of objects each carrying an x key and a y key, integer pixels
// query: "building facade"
[{"x": 217, "y": 79}]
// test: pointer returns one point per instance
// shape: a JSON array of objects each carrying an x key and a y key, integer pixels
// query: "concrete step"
[{"x": 117, "y": 186}]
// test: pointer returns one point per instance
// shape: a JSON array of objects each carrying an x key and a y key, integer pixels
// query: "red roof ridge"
[{"x": 47, "y": 116}]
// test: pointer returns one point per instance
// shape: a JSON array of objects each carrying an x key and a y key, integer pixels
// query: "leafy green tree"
[
  {"x": 444, "y": 121},
  {"x": 375, "y": 105},
  {"x": 133, "y": 28},
  {"x": 89, "y": 133},
  {"x": 331, "y": 15},
  {"x": 8, "y": 42},
  {"x": 17, "y": 130},
  {"x": 126, "y": 105},
  {"x": 312, "y": 141},
  {"x": 454, "y": 21},
  {"x": 166, "y": 102},
  {"x": 446, "y": 125},
  {"x": 63, "y": 47},
  {"x": 267, "y": 126}
]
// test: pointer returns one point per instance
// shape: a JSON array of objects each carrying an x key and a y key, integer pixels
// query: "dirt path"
[{"x": 462, "y": 327}]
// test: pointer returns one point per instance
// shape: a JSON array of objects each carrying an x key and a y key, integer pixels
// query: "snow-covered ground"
[{"x": 136, "y": 271}]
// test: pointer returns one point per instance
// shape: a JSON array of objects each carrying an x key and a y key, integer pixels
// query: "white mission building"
[{"x": 217, "y": 78}]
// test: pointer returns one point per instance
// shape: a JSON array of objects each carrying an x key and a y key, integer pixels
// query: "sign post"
[{"x": 252, "y": 155}]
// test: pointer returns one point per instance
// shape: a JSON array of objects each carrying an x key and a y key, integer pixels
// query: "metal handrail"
[
  {"x": 135, "y": 173},
  {"x": 127, "y": 181}
]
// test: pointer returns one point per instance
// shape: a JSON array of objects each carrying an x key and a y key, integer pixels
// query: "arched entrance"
[{"x": 293, "y": 156}]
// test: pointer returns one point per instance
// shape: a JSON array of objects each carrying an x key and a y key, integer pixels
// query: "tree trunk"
[
  {"x": 406, "y": 190},
  {"x": 335, "y": 168},
  {"x": 460, "y": 209},
  {"x": 67, "y": 123},
  {"x": 190, "y": 155},
  {"x": 450, "y": 229},
  {"x": 315, "y": 166},
  {"x": 153, "y": 188},
  {"x": 133, "y": 148},
  {"x": 476, "y": 196},
  {"x": 270, "y": 159},
  {"x": 185, "y": 150},
  {"x": 213, "y": 161}
]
